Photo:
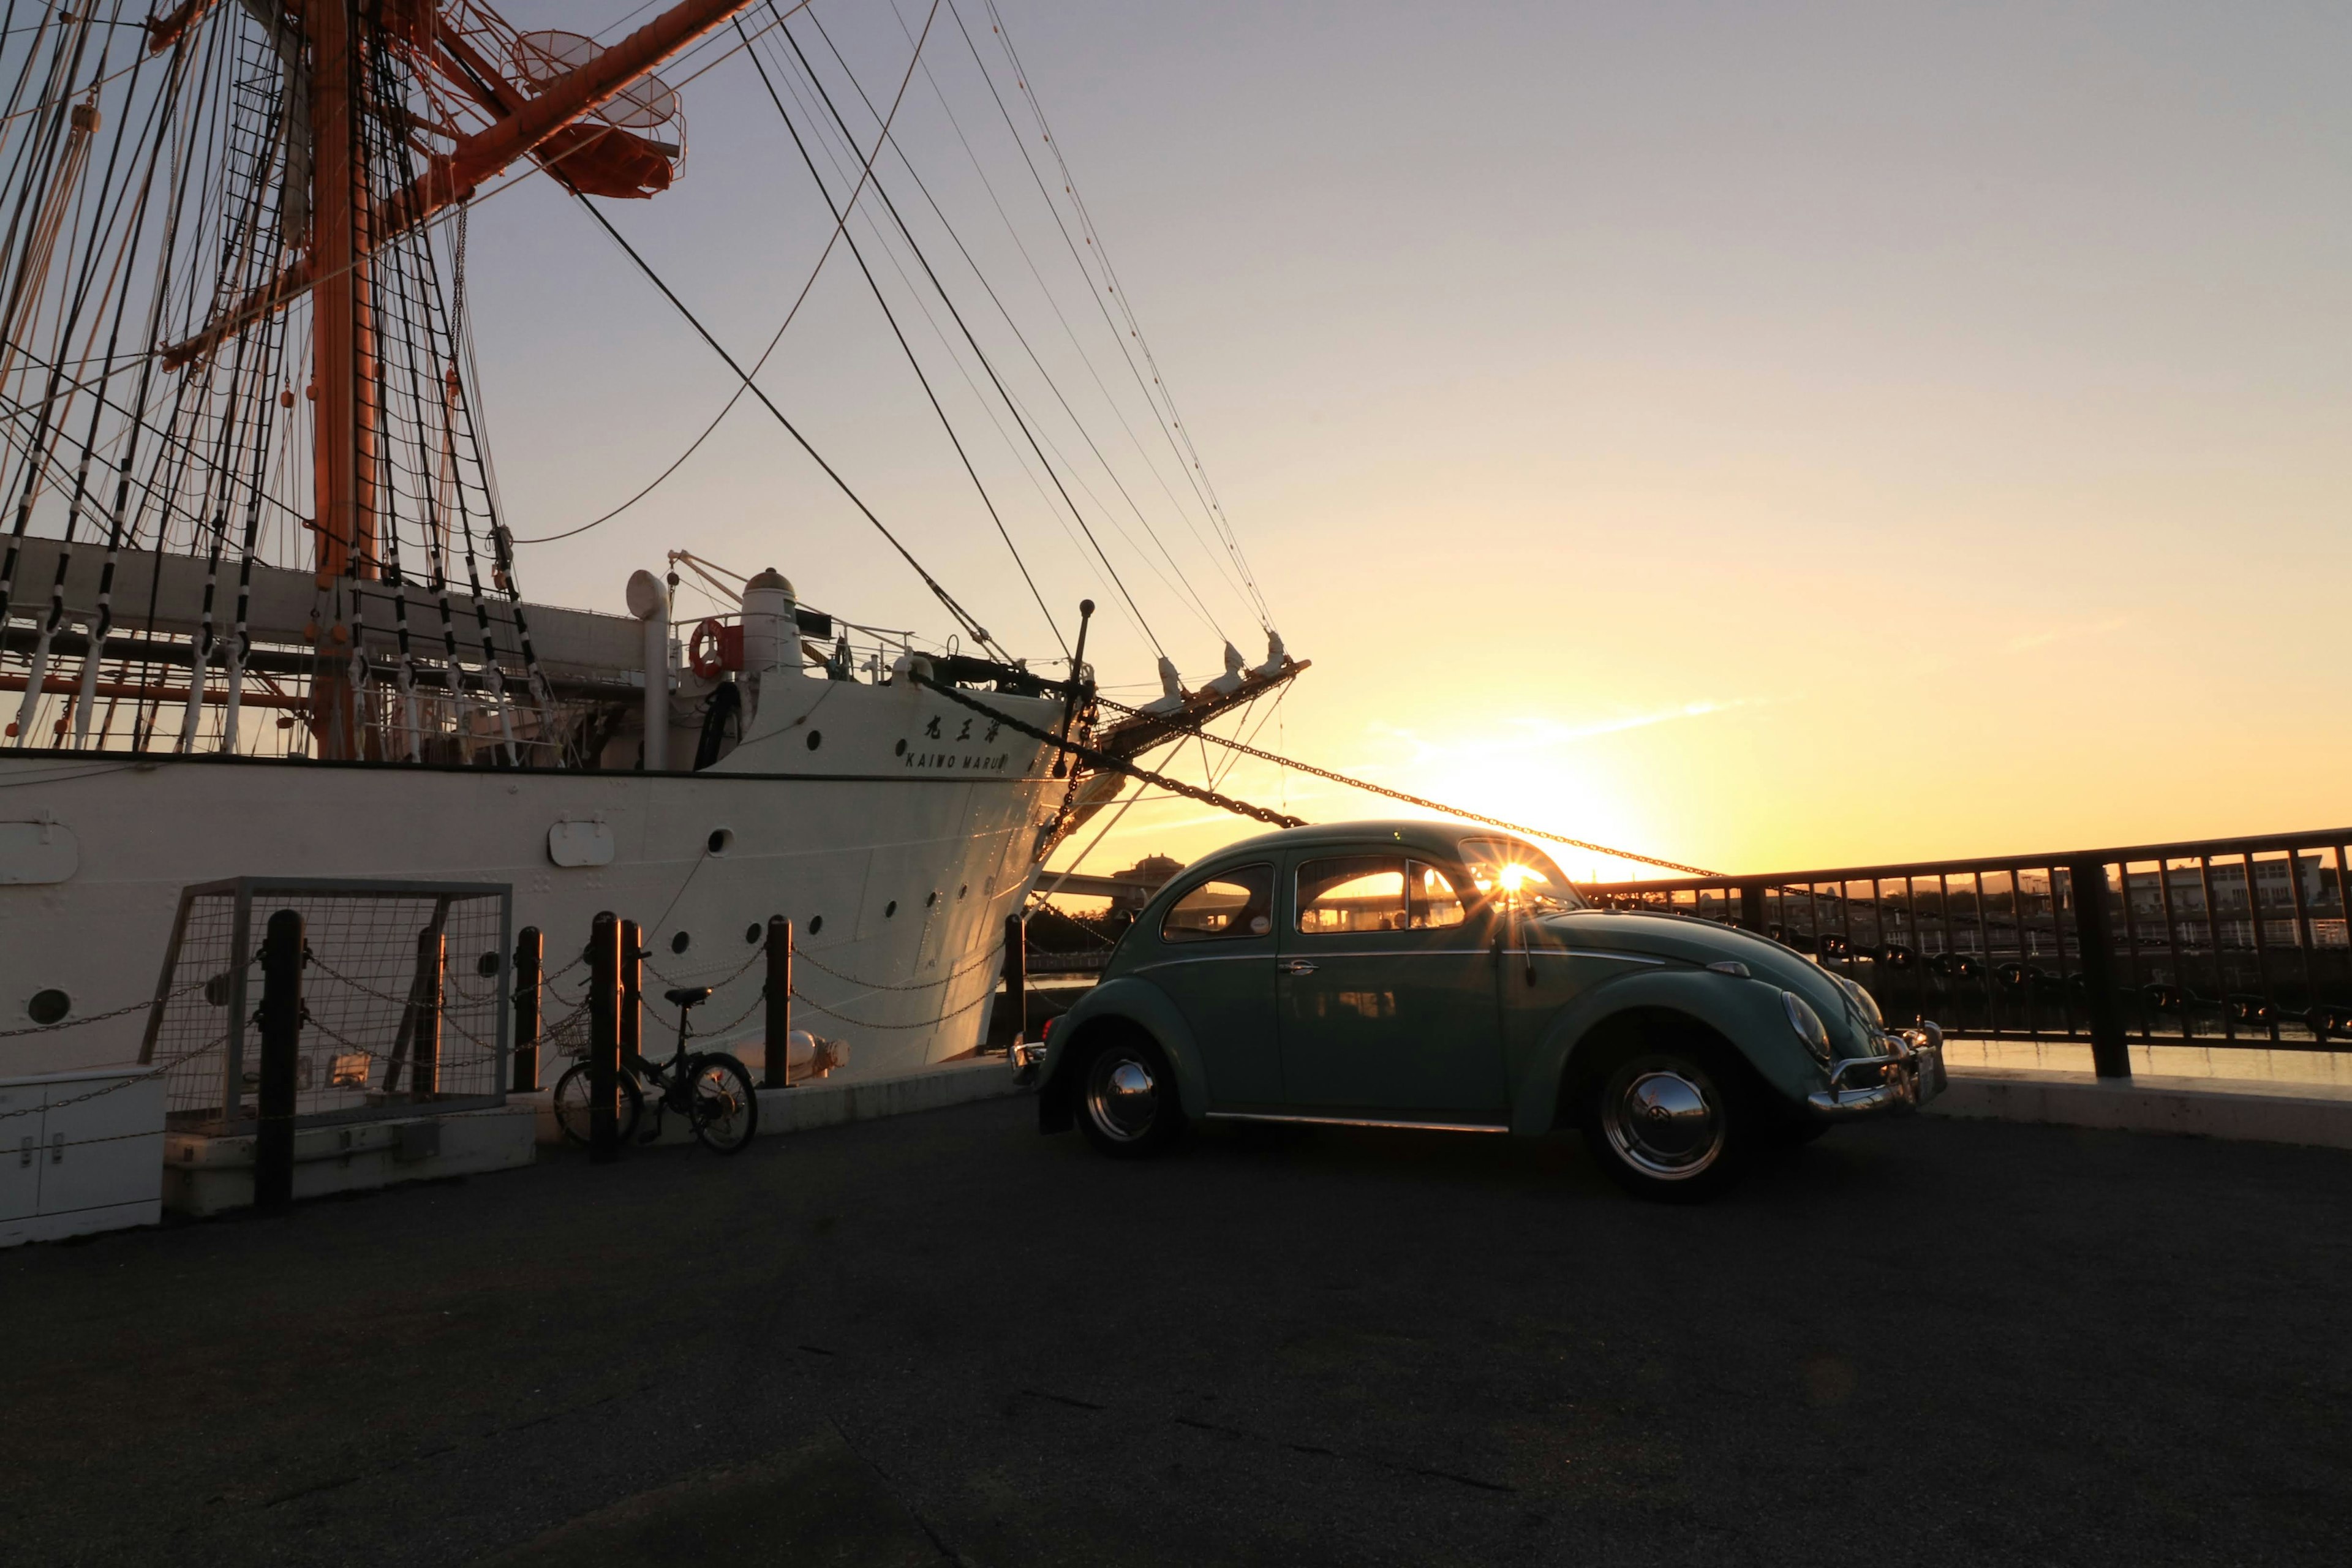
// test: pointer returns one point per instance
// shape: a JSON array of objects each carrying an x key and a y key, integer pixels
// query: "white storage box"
[{"x": 80, "y": 1152}]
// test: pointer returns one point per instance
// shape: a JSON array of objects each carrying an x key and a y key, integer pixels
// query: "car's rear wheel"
[
  {"x": 1126, "y": 1099},
  {"x": 1669, "y": 1121}
]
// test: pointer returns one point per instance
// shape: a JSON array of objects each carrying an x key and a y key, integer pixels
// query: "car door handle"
[{"x": 1299, "y": 966}]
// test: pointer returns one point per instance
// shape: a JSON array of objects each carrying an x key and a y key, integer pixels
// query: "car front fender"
[
  {"x": 1133, "y": 1002},
  {"x": 1747, "y": 1012}
]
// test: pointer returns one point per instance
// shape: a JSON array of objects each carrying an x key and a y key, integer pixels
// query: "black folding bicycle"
[{"x": 711, "y": 1089}]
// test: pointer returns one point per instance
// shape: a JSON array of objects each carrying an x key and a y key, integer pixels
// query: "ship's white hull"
[{"x": 897, "y": 864}]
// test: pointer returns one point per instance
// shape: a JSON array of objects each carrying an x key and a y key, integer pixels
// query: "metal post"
[
  {"x": 281, "y": 1043},
  {"x": 604, "y": 1039},
  {"x": 529, "y": 999},
  {"x": 1751, "y": 908},
  {"x": 432, "y": 978},
  {"x": 2110, "y": 1053},
  {"x": 1070, "y": 691},
  {"x": 633, "y": 991},
  {"x": 777, "y": 1072},
  {"x": 1016, "y": 977}
]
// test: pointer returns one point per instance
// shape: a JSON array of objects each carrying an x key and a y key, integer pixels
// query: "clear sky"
[{"x": 1765, "y": 435}]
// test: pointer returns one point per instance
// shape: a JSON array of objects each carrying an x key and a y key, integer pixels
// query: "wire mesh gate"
[{"x": 403, "y": 990}]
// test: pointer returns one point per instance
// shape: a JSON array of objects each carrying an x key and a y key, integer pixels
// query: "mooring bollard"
[
  {"x": 432, "y": 978},
  {"x": 777, "y": 1072},
  {"x": 604, "y": 1039},
  {"x": 281, "y": 1044},
  {"x": 1016, "y": 978},
  {"x": 529, "y": 968},
  {"x": 633, "y": 991},
  {"x": 2110, "y": 1045}
]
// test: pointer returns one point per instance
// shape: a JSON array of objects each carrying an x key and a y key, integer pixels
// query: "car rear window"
[{"x": 1226, "y": 906}]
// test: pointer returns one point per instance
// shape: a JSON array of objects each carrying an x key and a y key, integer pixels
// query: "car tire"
[
  {"x": 1670, "y": 1121},
  {"x": 1127, "y": 1101}
]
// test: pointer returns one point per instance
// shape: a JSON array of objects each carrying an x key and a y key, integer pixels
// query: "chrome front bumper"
[
  {"x": 1907, "y": 1073},
  {"x": 1028, "y": 1059}
]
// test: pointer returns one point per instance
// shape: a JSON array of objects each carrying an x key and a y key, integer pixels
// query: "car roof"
[{"x": 1408, "y": 832}]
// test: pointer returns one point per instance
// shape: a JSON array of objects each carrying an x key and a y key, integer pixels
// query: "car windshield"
[{"x": 1522, "y": 874}]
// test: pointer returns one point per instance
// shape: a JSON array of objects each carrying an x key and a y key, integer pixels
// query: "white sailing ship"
[{"x": 260, "y": 602}]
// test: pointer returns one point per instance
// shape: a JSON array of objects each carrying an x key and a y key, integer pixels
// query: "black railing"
[{"x": 2225, "y": 941}]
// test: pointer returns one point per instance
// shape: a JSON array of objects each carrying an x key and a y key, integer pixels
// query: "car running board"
[{"x": 1356, "y": 1122}]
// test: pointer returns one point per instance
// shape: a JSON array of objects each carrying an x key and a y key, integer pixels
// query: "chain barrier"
[
  {"x": 926, "y": 1024},
  {"x": 757, "y": 953},
  {"x": 354, "y": 1048},
  {"x": 148, "y": 1070},
  {"x": 819, "y": 964},
  {"x": 1264, "y": 756},
  {"x": 1105, "y": 762},
  {"x": 322, "y": 965},
  {"x": 102, "y": 1017}
]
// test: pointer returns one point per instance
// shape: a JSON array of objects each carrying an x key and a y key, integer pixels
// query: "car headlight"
[{"x": 1808, "y": 1024}]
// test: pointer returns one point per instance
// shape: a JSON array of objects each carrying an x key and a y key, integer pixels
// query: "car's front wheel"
[
  {"x": 1669, "y": 1122},
  {"x": 1126, "y": 1099}
]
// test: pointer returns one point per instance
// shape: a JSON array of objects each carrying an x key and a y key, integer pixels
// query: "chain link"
[
  {"x": 925, "y": 1024},
  {"x": 102, "y": 1017},
  {"x": 819, "y": 964},
  {"x": 147, "y": 1071}
]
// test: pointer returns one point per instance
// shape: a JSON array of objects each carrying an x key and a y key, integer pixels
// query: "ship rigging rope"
[
  {"x": 986, "y": 365},
  {"x": 1187, "y": 588},
  {"x": 841, "y": 228},
  {"x": 757, "y": 365},
  {"x": 1369, "y": 788},
  {"x": 1104, "y": 762},
  {"x": 962, "y": 617},
  {"x": 1171, "y": 423}
]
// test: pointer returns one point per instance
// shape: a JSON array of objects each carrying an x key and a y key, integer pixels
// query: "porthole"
[
  {"x": 816, "y": 739},
  {"x": 679, "y": 943},
  {"x": 752, "y": 934},
  {"x": 487, "y": 965},
  {"x": 902, "y": 747},
  {"x": 48, "y": 1007},
  {"x": 889, "y": 909},
  {"x": 816, "y": 924},
  {"x": 931, "y": 898},
  {"x": 721, "y": 840},
  {"x": 965, "y": 888}
]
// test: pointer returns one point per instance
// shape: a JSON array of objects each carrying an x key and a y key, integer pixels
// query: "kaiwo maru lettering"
[{"x": 978, "y": 763}]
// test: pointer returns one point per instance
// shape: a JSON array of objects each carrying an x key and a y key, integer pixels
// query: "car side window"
[
  {"x": 1432, "y": 903},
  {"x": 1227, "y": 906},
  {"x": 1352, "y": 893}
]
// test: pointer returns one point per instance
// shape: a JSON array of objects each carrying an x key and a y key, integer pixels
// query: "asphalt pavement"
[{"x": 944, "y": 1339}]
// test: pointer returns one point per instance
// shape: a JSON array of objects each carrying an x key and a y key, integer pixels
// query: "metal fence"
[
  {"x": 2235, "y": 940},
  {"x": 405, "y": 999}
]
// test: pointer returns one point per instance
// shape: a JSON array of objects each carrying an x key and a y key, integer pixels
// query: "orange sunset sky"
[{"x": 1768, "y": 437}]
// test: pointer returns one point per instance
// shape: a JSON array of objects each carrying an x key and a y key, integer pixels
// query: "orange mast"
[{"x": 348, "y": 223}]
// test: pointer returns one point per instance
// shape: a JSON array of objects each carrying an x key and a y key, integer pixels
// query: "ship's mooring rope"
[
  {"x": 1105, "y": 762},
  {"x": 1247, "y": 749}
]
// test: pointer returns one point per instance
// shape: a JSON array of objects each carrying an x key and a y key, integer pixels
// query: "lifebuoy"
[{"x": 705, "y": 652}]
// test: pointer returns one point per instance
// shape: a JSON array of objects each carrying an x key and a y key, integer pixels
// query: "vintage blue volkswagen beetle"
[{"x": 1426, "y": 976}]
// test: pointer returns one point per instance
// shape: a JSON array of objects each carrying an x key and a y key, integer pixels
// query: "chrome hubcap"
[
  {"x": 1664, "y": 1117},
  {"x": 1121, "y": 1097}
]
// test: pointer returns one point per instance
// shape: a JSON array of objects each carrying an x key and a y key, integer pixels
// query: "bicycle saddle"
[{"x": 688, "y": 996}]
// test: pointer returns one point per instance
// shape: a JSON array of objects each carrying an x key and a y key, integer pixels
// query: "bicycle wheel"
[
  {"x": 574, "y": 1102},
  {"x": 726, "y": 1108}
]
